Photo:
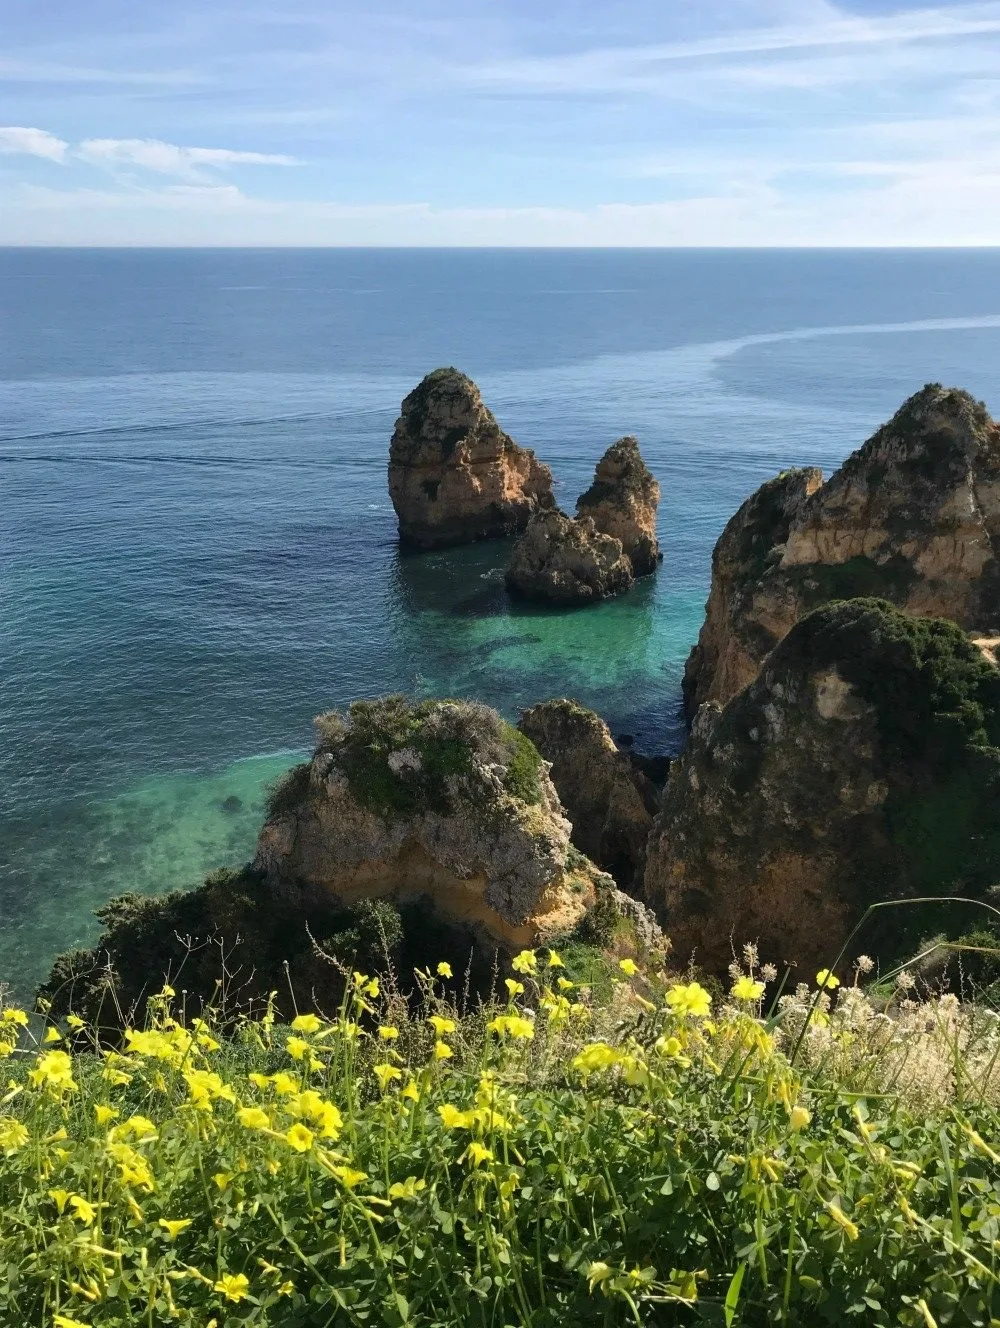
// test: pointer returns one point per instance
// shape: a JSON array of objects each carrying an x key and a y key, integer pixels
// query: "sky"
[{"x": 499, "y": 122}]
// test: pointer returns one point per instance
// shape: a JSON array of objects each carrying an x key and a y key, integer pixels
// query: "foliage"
[
  {"x": 286, "y": 794},
  {"x": 552, "y": 1161},
  {"x": 402, "y": 758}
]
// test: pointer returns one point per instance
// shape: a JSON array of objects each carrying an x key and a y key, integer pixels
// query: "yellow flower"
[
  {"x": 349, "y": 1177},
  {"x": 286, "y": 1288},
  {"x": 253, "y": 1118},
  {"x": 386, "y": 1074},
  {"x": 13, "y": 1135},
  {"x": 512, "y": 1025},
  {"x": 284, "y": 1084},
  {"x": 167, "y": 991},
  {"x": 205, "y": 1086},
  {"x": 564, "y": 984},
  {"x": 477, "y": 1153},
  {"x": 60, "y": 1198},
  {"x": 232, "y": 1287},
  {"x": 514, "y": 988},
  {"x": 259, "y": 1080},
  {"x": 174, "y": 1227},
  {"x": 54, "y": 1071},
  {"x": 75, "y": 1022},
  {"x": 798, "y": 1119},
  {"x": 595, "y": 1056},
  {"x": 139, "y": 1126},
  {"x": 842, "y": 1220},
  {"x": 407, "y": 1189},
  {"x": 104, "y": 1114},
  {"x": 14, "y": 1016},
  {"x": 525, "y": 962},
  {"x": 824, "y": 978},
  {"x": 222, "y": 1179},
  {"x": 307, "y": 1023},
  {"x": 554, "y": 960},
  {"x": 628, "y": 967},
  {"x": 6, "y": 1049},
  {"x": 64, "y": 1321},
  {"x": 668, "y": 1046},
  {"x": 388, "y": 1033},
  {"x": 52, "y": 1034},
  {"x": 452, "y": 1118},
  {"x": 746, "y": 989},
  {"x": 597, "y": 1273},
  {"x": 444, "y": 971},
  {"x": 689, "y": 998},
  {"x": 297, "y": 1048},
  {"x": 300, "y": 1138},
  {"x": 442, "y": 1052},
  {"x": 411, "y": 1091},
  {"x": 442, "y": 1025},
  {"x": 82, "y": 1209}
]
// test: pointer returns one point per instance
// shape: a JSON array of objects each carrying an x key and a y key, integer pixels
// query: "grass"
[{"x": 558, "y": 1159}]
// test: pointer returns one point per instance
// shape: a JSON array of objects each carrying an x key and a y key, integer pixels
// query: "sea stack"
[
  {"x": 622, "y": 502},
  {"x": 862, "y": 764},
  {"x": 913, "y": 516},
  {"x": 454, "y": 475}
]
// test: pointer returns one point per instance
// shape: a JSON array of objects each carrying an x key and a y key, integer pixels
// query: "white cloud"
[
  {"x": 32, "y": 143},
  {"x": 168, "y": 159}
]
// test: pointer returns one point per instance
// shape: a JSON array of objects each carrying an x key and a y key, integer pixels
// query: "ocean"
[{"x": 197, "y": 550}]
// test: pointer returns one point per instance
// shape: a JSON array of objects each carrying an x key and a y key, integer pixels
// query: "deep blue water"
[{"x": 197, "y": 552}]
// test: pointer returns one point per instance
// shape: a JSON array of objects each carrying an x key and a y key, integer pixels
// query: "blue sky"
[{"x": 531, "y": 122}]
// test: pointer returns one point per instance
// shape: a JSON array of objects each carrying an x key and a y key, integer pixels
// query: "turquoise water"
[{"x": 197, "y": 553}]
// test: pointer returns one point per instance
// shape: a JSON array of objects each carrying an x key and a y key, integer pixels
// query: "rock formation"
[
  {"x": 454, "y": 475},
  {"x": 561, "y": 561},
  {"x": 609, "y": 802},
  {"x": 913, "y": 516},
  {"x": 862, "y": 764},
  {"x": 420, "y": 832},
  {"x": 622, "y": 502}
]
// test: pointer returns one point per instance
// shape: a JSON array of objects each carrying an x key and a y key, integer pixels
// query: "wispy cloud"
[
  {"x": 169, "y": 159},
  {"x": 15, "y": 139}
]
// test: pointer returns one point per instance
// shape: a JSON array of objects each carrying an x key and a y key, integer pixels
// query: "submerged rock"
[
  {"x": 862, "y": 764},
  {"x": 454, "y": 475},
  {"x": 622, "y": 502},
  {"x": 561, "y": 561},
  {"x": 609, "y": 801},
  {"x": 912, "y": 516}
]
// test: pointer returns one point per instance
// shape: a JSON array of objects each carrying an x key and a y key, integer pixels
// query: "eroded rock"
[
  {"x": 622, "y": 502},
  {"x": 454, "y": 475},
  {"x": 559, "y": 560},
  {"x": 862, "y": 764},
  {"x": 912, "y": 516},
  {"x": 609, "y": 802}
]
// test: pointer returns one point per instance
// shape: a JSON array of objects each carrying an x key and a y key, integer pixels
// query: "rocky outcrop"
[
  {"x": 454, "y": 475},
  {"x": 913, "y": 516},
  {"x": 559, "y": 560},
  {"x": 609, "y": 802},
  {"x": 622, "y": 502},
  {"x": 862, "y": 764}
]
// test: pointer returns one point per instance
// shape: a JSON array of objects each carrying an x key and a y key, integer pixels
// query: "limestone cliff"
[
  {"x": 609, "y": 801},
  {"x": 622, "y": 502},
  {"x": 454, "y": 475},
  {"x": 863, "y": 763},
  {"x": 912, "y": 516},
  {"x": 559, "y": 560}
]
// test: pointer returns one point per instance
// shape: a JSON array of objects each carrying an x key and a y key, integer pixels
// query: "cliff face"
[
  {"x": 863, "y": 763},
  {"x": 609, "y": 802},
  {"x": 454, "y": 475},
  {"x": 442, "y": 801},
  {"x": 622, "y": 502},
  {"x": 913, "y": 516},
  {"x": 561, "y": 561}
]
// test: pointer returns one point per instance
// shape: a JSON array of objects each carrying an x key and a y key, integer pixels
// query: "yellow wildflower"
[
  {"x": 75, "y": 1022},
  {"x": 141, "y": 1127},
  {"x": 514, "y": 988},
  {"x": 253, "y": 1118},
  {"x": 259, "y": 1080},
  {"x": 388, "y": 1033},
  {"x": 13, "y": 1135},
  {"x": 595, "y": 1056},
  {"x": 689, "y": 998},
  {"x": 477, "y": 1153},
  {"x": 286, "y": 1288},
  {"x": 300, "y": 1137},
  {"x": 668, "y": 1046},
  {"x": 746, "y": 989},
  {"x": 297, "y": 1048},
  {"x": 842, "y": 1220},
  {"x": 6, "y": 1049},
  {"x": 555, "y": 960},
  {"x": 407, "y": 1189},
  {"x": 284, "y": 1083},
  {"x": 232, "y": 1287},
  {"x": 442, "y": 1025},
  {"x": 386, "y": 1074},
  {"x": 628, "y": 967},
  {"x": 525, "y": 962},
  {"x": 597, "y": 1273},
  {"x": 564, "y": 984},
  {"x": 174, "y": 1226},
  {"x": 307, "y": 1023},
  {"x": 444, "y": 970},
  {"x": 14, "y": 1016},
  {"x": 411, "y": 1091},
  {"x": 53, "y": 1071},
  {"x": 104, "y": 1113},
  {"x": 512, "y": 1025},
  {"x": 798, "y": 1119},
  {"x": 83, "y": 1209},
  {"x": 452, "y": 1118},
  {"x": 52, "y": 1034},
  {"x": 205, "y": 1086},
  {"x": 64, "y": 1321},
  {"x": 824, "y": 978},
  {"x": 60, "y": 1198},
  {"x": 222, "y": 1179},
  {"x": 442, "y": 1052}
]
